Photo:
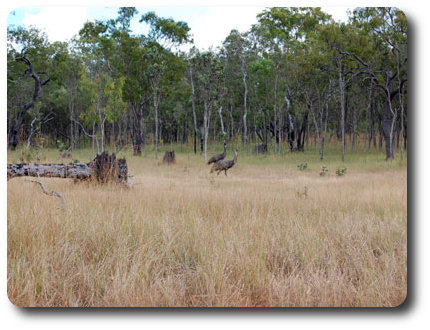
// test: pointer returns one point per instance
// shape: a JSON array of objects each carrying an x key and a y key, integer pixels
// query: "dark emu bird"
[
  {"x": 218, "y": 157},
  {"x": 224, "y": 165}
]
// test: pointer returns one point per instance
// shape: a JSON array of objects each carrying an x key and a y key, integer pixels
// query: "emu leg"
[{"x": 225, "y": 172}]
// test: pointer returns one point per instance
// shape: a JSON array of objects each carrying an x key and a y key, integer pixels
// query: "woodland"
[
  {"x": 295, "y": 76},
  {"x": 310, "y": 209}
]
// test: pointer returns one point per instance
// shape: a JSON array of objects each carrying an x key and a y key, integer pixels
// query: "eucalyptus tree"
[
  {"x": 190, "y": 76},
  {"x": 164, "y": 34},
  {"x": 317, "y": 90},
  {"x": 100, "y": 49},
  {"x": 386, "y": 65},
  {"x": 174, "y": 110},
  {"x": 338, "y": 38},
  {"x": 209, "y": 84},
  {"x": 283, "y": 34},
  {"x": 136, "y": 89},
  {"x": 69, "y": 72},
  {"x": 262, "y": 73},
  {"x": 293, "y": 73},
  {"x": 236, "y": 51}
]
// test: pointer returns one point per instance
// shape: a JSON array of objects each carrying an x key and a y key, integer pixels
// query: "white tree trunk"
[
  {"x": 342, "y": 107},
  {"x": 245, "y": 109}
]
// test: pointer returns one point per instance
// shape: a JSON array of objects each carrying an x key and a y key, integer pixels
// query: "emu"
[
  {"x": 224, "y": 165},
  {"x": 217, "y": 157}
]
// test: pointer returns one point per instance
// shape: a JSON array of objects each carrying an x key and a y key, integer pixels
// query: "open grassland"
[{"x": 266, "y": 235}]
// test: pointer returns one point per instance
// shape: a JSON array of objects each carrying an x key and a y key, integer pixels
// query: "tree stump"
[
  {"x": 103, "y": 168},
  {"x": 169, "y": 157}
]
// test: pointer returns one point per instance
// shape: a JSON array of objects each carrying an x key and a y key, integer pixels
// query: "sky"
[{"x": 209, "y": 25}]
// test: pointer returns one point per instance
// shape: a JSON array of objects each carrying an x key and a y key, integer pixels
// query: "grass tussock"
[{"x": 266, "y": 235}]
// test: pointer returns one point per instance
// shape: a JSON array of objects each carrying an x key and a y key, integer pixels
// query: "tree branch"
[
  {"x": 51, "y": 193},
  {"x": 83, "y": 128}
]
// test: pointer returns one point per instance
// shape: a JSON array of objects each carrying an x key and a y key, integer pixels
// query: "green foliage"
[
  {"x": 166, "y": 29},
  {"x": 61, "y": 146},
  {"x": 341, "y": 171},
  {"x": 108, "y": 78},
  {"x": 324, "y": 170},
  {"x": 302, "y": 166}
]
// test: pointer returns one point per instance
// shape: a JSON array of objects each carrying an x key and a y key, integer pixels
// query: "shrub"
[
  {"x": 61, "y": 146},
  {"x": 324, "y": 170},
  {"x": 341, "y": 171},
  {"x": 302, "y": 166}
]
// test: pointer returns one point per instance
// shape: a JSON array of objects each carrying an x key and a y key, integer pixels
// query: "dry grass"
[{"x": 183, "y": 237}]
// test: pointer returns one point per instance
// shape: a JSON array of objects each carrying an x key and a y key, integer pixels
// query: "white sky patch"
[
  {"x": 59, "y": 23},
  {"x": 337, "y": 13},
  {"x": 209, "y": 25},
  {"x": 212, "y": 26}
]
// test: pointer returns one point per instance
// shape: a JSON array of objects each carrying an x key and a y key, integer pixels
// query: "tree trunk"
[
  {"x": 354, "y": 127},
  {"x": 206, "y": 125},
  {"x": 388, "y": 128},
  {"x": 231, "y": 131},
  {"x": 92, "y": 140},
  {"x": 101, "y": 127},
  {"x": 139, "y": 129},
  {"x": 156, "y": 102},
  {"x": 32, "y": 131},
  {"x": 275, "y": 114},
  {"x": 245, "y": 109},
  {"x": 291, "y": 131},
  {"x": 14, "y": 131},
  {"x": 193, "y": 105},
  {"x": 72, "y": 123},
  {"x": 221, "y": 122},
  {"x": 401, "y": 113},
  {"x": 342, "y": 108},
  {"x": 301, "y": 134},
  {"x": 317, "y": 131},
  {"x": 201, "y": 142},
  {"x": 325, "y": 129},
  {"x": 371, "y": 112}
]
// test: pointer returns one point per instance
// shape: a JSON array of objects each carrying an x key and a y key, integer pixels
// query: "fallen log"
[{"x": 103, "y": 168}]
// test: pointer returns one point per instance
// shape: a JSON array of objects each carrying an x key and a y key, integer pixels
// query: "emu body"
[
  {"x": 218, "y": 157},
  {"x": 224, "y": 165}
]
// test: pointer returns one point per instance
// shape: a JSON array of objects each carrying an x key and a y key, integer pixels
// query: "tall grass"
[{"x": 266, "y": 235}]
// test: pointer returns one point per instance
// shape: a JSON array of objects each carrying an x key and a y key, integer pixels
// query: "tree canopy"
[{"x": 296, "y": 77}]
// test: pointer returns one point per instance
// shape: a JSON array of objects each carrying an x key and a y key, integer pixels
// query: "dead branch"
[{"x": 51, "y": 193}]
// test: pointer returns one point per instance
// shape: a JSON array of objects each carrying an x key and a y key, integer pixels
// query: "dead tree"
[
  {"x": 103, "y": 168},
  {"x": 38, "y": 83}
]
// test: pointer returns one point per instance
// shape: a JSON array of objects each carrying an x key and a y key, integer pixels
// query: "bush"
[
  {"x": 341, "y": 171},
  {"x": 324, "y": 170},
  {"x": 61, "y": 146},
  {"x": 302, "y": 166}
]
